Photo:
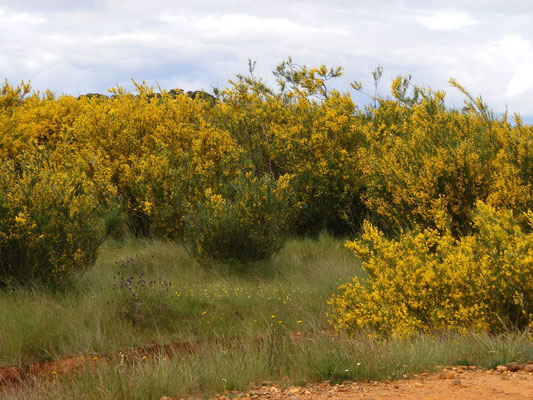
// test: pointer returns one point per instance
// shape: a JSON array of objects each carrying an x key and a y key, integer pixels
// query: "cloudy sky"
[{"x": 80, "y": 46}]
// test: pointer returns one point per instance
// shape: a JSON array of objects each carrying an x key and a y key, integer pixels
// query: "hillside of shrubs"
[{"x": 437, "y": 200}]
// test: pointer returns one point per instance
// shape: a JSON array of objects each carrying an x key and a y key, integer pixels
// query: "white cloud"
[
  {"x": 447, "y": 20},
  {"x": 19, "y": 19},
  {"x": 239, "y": 24},
  {"x": 521, "y": 81}
]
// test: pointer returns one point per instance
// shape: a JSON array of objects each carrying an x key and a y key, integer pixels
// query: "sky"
[{"x": 83, "y": 46}]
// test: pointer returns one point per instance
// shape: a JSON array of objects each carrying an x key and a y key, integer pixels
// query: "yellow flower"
[
  {"x": 148, "y": 206},
  {"x": 20, "y": 218}
]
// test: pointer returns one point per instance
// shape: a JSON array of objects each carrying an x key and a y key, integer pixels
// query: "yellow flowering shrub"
[
  {"x": 50, "y": 223},
  {"x": 147, "y": 147},
  {"x": 512, "y": 185},
  {"x": 11, "y": 98},
  {"x": 305, "y": 135},
  {"x": 27, "y": 120},
  {"x": 163, "y": 186},
  {"x": 428, "y": 280},
  {"x": 421, "y": 159}
]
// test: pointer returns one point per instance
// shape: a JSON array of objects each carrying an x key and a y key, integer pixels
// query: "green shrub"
[
  {"x": 244, "y": 222},
  {"x": 49, "y": 222}
]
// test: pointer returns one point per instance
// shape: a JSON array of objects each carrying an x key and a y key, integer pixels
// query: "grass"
[
  {"x": 244, "y": 325},
  {"x": 281, "y": 358},
  {"x": 143, "y": 292}
]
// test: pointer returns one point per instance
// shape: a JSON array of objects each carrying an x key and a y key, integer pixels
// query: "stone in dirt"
[
  {"x": 501, "y": 368},
  {"x": 513, "y": 366},
  {"x": 447, "y": 375}
]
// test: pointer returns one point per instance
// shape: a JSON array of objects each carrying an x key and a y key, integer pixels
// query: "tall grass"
[{"x": 151, "y": 292}]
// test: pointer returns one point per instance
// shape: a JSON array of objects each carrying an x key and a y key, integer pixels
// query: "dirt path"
[{"x": 459, "y": 383}]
